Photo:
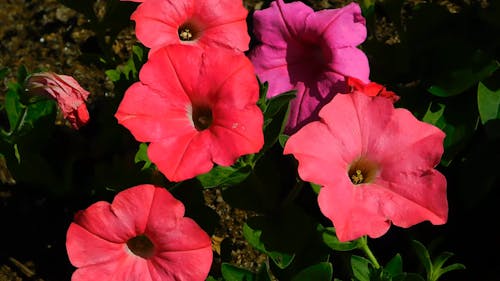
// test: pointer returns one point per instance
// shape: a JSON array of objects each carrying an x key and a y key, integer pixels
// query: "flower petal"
[
  {"x": 316, "y": 148},
  {"x": 182, "y": 157},
  {"x": 184, "y": 265},
  {"x": 354, "y": 210},
  {"x": 85, "y": 248},
  {"x": 164, "y": 214},
  {"x": 344, "y": 27},
  {"x": 235, "y": 133},
  {"x": 151, "y": 117}
]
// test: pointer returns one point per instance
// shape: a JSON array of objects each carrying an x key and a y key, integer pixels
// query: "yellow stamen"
[{"x": 358, "y": 177}]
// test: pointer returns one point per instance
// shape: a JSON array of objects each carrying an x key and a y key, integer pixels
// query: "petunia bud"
[{"x": 66, "y": 91}]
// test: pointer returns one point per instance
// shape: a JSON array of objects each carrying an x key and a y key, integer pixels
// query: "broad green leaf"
[
  {"x": 275, "y": 118},
  {"x": 224, "y": 176},
  {"x": 423, "y": 255},
  {"x": 113, "y": 74},
  {"x": 331, "y": 240},
  {"x": 13, "y": 106},
  {"x": 233, "y": 273},
  {"x": 488, "y": 102},
  {"x": 318, "y": 272},
  {"x": 457, "y": 81},
  {"x": 142, "y": 156},
  {"x": 360, "y": 268},
  {"x": 394, "y": 266},
  {"x": 210, "y": 278},
  {"x": 253, "y": 237},
  {"x": 276, "y": 103}
]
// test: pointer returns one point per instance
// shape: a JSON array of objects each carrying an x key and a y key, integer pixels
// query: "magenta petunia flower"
[
  {"x": 311, "y": 52},
  {"x": 202, "y": 23},
  {"x": 375, "y": 164},
  {"x": 142, "y": 235},
  {"x": 69, "y": 95},
  {"x": 196, "y": 108}
]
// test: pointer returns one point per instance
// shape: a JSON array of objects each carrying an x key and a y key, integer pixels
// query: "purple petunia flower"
[{"x": 311, "y": 52}]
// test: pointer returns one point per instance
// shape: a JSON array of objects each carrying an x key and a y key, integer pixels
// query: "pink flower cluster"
[{"x": 195, "y": 105}]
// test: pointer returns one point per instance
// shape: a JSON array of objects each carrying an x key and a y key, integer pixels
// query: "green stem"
[
  {"x": 368, "y": 252},
  {"x": 19, "y": 124}
]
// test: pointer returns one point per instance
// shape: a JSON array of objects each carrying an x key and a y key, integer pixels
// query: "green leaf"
[
  {"x": 253, "y": 237},
  {"x": 455, "y": 266},
  {"x": 224, "y": 176},
  {"x": 438, "y": 263},
  {"x": 457, "y": 81},
  {"x": 331, "y": 240},
  {"x": 319, "y": 272},
  {"x": 488, "y": 102},
  {"x": 142, "y": 156},
  {"x": 113, "y": 75},
  {"x": 282, "y": 139},
  {"x": 275, "y": 118},
  {"x": 233, "y": 273},
  {"x": 360, "y": 268},
  {"x": 13, "y": 106},
  {"x": 423, "y": 255},
  {"x": 394, "y": 266}
]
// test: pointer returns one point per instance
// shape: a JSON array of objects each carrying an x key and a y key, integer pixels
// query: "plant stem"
[{"x": 368, "y": 252}]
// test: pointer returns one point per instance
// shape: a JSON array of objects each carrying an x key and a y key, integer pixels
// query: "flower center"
[
  {"x": 202, "y": 117},
  {"x": 362, "y": 171},
  {"x": 187, "y": 32},
  {"x": 141, "y": 246}
]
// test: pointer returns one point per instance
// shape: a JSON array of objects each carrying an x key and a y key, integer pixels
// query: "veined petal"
[
  {"x": 165, "y": 214},
  {"x": 280, "y": 23},
  {"x": 183, "y": 265},
  {"x": 182, "y": 157},
  {"x": 85, "y": 248},
  {"x": 235, "y": 133},
  {"x": 151, "y": 117},
  {"x": 345, "y": 27},
  {"x": 354, "y": 210}
]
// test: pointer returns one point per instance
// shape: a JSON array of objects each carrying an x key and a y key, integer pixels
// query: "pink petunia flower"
[
  {"x": 310, "y": 52},
  {"x": 196, "y": 108},
  {"x": 142, "y": 235},
  {"x": 202, "y": 23},
  {"x": 375, "y": 164},
  {"x": 371, "y": 89},
  {"x": 69, "y": 95}
]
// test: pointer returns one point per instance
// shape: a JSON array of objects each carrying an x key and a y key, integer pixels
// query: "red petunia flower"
[
  {"x": 201, "y": 23},
  {"x": 310, "y": 52},
  {"x": 375, "y": 164},
  {"x": 196, "y": 108},
  {"x": 371, "y": 89},
  {"x": 69, "y": 95},
  {"x": 143, "y": 235}
]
